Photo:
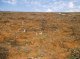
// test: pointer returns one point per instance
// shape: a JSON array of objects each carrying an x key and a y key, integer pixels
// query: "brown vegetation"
[{"x": 39, "y": 35}]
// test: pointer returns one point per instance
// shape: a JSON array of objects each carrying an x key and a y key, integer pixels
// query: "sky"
[{"x": 40, "y": 5}]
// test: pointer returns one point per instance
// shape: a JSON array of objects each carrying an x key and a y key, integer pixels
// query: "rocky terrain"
[{"x": 39, "y": 35}]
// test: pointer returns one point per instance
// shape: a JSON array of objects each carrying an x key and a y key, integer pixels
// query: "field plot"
[{"x": 39, "y": 35}]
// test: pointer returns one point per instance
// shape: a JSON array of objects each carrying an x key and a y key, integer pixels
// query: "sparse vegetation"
[
  {"x": 4, "y": 52},
  {"x": 5, "y": 21},
  {"x": 44, "y": 35},
  {"x": 75, "y": 53},
  {"x": 10, "y": 41},
  {"x": 22, "y": 18},
  {"x": 0, "y": 18}
]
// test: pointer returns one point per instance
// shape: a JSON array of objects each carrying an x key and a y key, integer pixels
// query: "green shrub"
[{"x": 75, "y": 53}]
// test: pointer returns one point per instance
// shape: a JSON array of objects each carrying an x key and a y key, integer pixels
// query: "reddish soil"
[{"x": 39, "y": 35}]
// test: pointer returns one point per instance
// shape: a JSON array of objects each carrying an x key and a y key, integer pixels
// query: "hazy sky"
[{"x": 40, "y": 5}]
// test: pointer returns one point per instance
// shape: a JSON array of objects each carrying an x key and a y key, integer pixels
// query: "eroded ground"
[{"x": 39, "y": 35}]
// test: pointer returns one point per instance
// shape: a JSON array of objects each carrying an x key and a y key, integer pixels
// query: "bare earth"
[{"x": 39, "y": 35}]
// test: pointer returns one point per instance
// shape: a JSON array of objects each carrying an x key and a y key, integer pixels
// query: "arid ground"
[{"x": 39, "y": 35}]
